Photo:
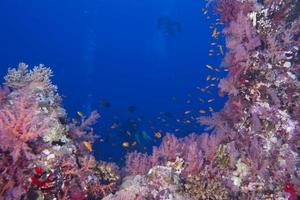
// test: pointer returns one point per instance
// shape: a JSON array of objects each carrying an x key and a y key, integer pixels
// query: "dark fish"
[
  {"x": 201, "y": 100},
  {"x": 132, "y": 109},
  {"x": 168, "y": 114},
  {"x": 59, "y": 142},
  {"x": 105, "y": 104}
]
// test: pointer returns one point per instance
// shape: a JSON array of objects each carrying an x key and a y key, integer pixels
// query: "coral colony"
[{"x": 252, "y": 151}]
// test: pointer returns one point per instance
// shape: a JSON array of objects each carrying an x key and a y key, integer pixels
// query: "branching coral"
[{"x": 22, "y": 77}]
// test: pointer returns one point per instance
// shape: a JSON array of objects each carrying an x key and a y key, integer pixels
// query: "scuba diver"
[{"x": 168, "y": 27}]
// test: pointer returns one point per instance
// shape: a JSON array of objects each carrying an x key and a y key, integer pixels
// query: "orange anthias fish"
[
  {"x": 88, "y": 146},
  {"x": 125, "y": 144},
  {"x": 157, "y": 134},
  {"x": 215, "y": 33}
]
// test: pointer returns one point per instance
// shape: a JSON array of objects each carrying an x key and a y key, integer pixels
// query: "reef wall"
[{"x": 252, "y": 151}]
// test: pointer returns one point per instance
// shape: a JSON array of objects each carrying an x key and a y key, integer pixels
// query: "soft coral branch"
[
  {"x": 20, "y": 123},
  {"x": 3, "y": 94}
]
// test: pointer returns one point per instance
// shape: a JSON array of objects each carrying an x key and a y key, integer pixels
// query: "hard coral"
[
  {"x": 21, "y": 77},
  {"x": 199, "y": 187}
]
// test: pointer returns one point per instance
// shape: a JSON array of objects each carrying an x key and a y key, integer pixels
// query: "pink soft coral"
[
  {"x": 20, "y": 124},
  {"x": 137, "y": 163},
  {"x": 228, "y": 9},
  {"x": 169, "y": 149},
  {"x": 3, "y": 94},
  {"x": 241, "y": 39}
]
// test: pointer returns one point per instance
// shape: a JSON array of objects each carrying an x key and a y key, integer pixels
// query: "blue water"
[{"x": 113, "y": 51}]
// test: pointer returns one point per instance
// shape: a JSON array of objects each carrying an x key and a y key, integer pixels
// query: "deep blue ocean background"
[{"x": 109, "y": 55}]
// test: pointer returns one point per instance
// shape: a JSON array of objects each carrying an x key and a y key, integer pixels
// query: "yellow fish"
[
  {"x": 88, "y": 146},
  {"x": 80, "y": 114},
  {"x": 215, "y": 33},
  {"x": 157, "y": 134},
  {"x": 125, "y": 144}
]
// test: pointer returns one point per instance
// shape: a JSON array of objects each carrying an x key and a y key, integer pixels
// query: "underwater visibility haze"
[
  {"x": 113, "y": 56},
  {"x": 150, "y": 100}
]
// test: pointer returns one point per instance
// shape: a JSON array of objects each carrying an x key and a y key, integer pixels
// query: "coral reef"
[
  {"x": 199, "y": 187},
  {"x": 251, "y": 152},
  {"x": 41, "y": 156},
  {"x": 161, "y": 182}
]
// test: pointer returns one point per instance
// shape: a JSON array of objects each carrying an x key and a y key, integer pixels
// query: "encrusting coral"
[{"x": 200, "y": 187}]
